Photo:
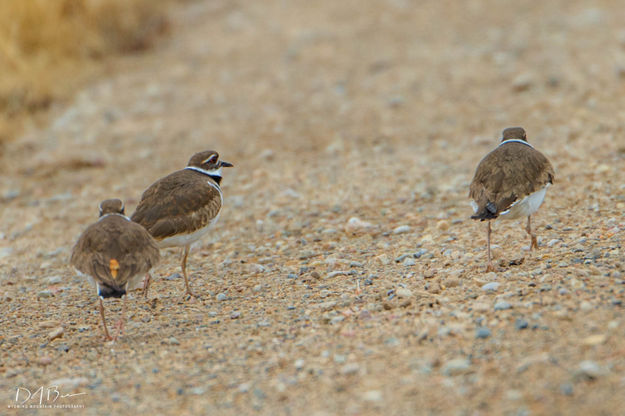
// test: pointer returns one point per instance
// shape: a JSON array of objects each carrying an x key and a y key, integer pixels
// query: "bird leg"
[
  {"x": 489, "y": 267},
  {"x": 184, "y": 272},
  {"x": 107, "y": 337},
  {"x": 122, "y": 318},
  {"x": 533, "y": 241},
  {"x": 146, "y": 284}
]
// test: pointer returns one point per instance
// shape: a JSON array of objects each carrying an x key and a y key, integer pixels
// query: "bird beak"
[{"x": 225, "y": 164}]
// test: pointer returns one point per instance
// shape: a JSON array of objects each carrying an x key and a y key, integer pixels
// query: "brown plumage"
[
  {"x": 114, "y": 253},
  {"x": 178, "y": 209},
  {"x": 180, "y": 203},
  {"x": 510, "y": 181}
]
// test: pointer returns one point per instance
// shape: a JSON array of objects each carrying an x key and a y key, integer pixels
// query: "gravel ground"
[{"x": 345, "y": 276}]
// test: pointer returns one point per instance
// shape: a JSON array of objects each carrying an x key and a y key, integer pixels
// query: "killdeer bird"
[
  {"x": 510, "y": 182},
  {"x": 114, "y": 253},
  {"x": 180, "y": 208}
]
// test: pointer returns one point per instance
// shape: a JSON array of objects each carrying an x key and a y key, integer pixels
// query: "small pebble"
[
  {"x": 69, "y": 383},
  {"x": 589, "y": 369},
  {"x": 482, "y": 333},
  {"x": 456, "y": 366},
  {"x": 409, "y": 261},
  {"x": 522, "y": 82},
  {"x": 491, "y": 286},
  {"x": 356, "y": 225},
  {"x": 520, "y": 324},
  {"x": 336, "y": 273},
  {"x": 221, "y": 296},
  {"x": 585, "y": 306},
  {"x": 502, "y": 305},
  {"x": 45, "y": 360},
  {"x": 593, "y": 340},
  {"x": 337, "y": 319},
  {"x": 402, "y": 229},
  {"x": 173, "y": 276},
  {"x": 350, "y": 369},
  {"x": 403, "y": 292},
  {"x": 553, "y": 242},
  {"x": 173, "y": 341},
  {"x": 566, "y": 389},
  {"x": 339, "y": 358},
  {"x": 372, "y": 396},
  {"x": 402, "y": 257},
  {"x": 53, "y": 280},
  {"x": 56, "y": 333}
]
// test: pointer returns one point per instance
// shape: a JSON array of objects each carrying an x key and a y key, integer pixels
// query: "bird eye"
[{"x": 211, "y": 159}]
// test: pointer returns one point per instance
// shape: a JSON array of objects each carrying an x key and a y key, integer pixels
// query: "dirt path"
[{"x": 332, "y": 110}]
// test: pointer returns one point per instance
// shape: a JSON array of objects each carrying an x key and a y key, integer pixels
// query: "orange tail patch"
[{"x": 114, "y": 267}]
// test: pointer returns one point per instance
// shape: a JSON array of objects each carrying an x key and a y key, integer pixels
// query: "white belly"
[
  {"x": 181, "y": 240},
  {"x": 526, "y": 206}
]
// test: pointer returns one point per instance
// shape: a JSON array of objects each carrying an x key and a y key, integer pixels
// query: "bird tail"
[
  {"x": 107, "y": 291},
  {"x": 488, "y": 212}
]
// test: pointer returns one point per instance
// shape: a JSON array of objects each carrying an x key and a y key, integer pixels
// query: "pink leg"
[
  {"x": 146, "y": 284},
  {"x": 120, "y": 323},
  {"x": 533, "y": 241},
  {"x": 184, "y": 272},
  {"x": 489, "y": 267},
  {"x": 107, "y": 337}
]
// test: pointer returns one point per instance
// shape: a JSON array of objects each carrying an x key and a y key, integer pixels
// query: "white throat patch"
[{"x": 214, "y": 172}]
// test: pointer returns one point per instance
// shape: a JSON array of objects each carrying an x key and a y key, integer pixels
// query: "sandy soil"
[{"x": 332, "y": 110}]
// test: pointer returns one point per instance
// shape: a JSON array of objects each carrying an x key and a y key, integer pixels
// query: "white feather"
[
  {"x": 181, "y": 240},
  {"x": 474, "y": 206},
  {"x": 526, "y": 206}
]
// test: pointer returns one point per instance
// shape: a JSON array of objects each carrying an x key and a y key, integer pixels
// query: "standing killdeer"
[
  {"x": 115, "y": 253},
  {"x": 510, "y": 182},
  {"x": 180, "y": 208}
]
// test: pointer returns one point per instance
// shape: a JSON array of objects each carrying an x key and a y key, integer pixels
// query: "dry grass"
[{"x": 47, "y": 47}]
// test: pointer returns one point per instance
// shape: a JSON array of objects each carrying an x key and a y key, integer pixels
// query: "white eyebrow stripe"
[{"x": 515, "y": 141}]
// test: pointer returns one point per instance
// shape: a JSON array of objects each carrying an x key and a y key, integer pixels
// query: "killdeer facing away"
[
  {"x": 180, "y": 208},
  {"x": 510, "y": 182},
  {"x": 115, "y": 253}
]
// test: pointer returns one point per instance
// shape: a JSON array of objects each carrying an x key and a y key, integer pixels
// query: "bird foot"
[
  {"x": 189, "y": 296},
  {"x": 534, "y": 244},
  {"x": 490, "y": 268}
]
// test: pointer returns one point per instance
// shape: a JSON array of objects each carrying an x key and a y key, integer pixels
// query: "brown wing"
[
  {"x": 506, "y": 174},
  {"x": 113, "y": 250},
  {"x": 180, "y": 203}
]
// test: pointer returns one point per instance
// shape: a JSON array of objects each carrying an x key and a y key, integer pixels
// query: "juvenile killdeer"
[
  {"x": 115, "y": 253},
  {"x": 180, "y": 208},
  {"x": 510, "y": 182}
]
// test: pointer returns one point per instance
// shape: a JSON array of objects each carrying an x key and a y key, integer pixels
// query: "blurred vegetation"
[{"x": 47, "y": 47}]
